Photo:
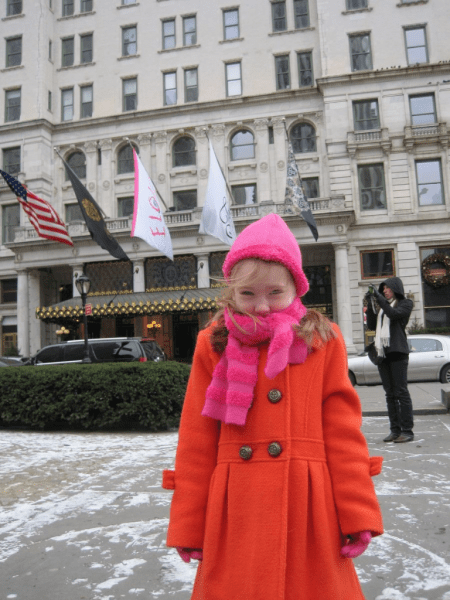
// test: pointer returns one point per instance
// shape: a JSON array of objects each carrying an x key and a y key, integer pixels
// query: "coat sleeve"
[
  {"x": 346, "y": 448},
  {"x": 401, "y": 311},
  {"x": 196, "y": 455}
]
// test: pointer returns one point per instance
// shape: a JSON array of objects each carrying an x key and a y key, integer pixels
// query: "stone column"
[
  {"x": 203, "y": 271},
  {"x": 343, "y": 296},
  {"x": 280, "y": 153},
  {"x": 90, "y": 149},
  {"x": 138, "y": 276},
  {"x": 144, "y": 141},
  {"x": 34, "y": 300},
  {"x": 23, "y": 326},
  {"x": 220, "y": 147},
  {"x": 262, "y": 156},
  {"x": 162, "y": 168},
  {"x": 202, "y": 144},
  {"x": 105, "y": 186}
]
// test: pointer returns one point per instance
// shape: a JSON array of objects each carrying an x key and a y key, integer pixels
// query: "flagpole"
[{"x": 223, "y": 174}]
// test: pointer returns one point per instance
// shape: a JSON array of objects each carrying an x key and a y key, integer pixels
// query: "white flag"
[
  {"x": 148, "y": 219},
  {"x": 216, "y": 215}
]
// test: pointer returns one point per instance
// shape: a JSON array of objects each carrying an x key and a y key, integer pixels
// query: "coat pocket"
[
  {"x": 168, "y": 480},
  {"x": 375, "y": 465}
]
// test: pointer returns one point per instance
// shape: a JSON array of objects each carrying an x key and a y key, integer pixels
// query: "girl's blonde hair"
[{"x": 314, "y": 328}]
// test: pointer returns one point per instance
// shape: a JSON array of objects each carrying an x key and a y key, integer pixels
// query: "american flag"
[{"x": 42, "y": 215}]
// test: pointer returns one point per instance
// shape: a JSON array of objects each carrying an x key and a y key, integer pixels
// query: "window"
[
  {"x": 86, "y": 6},
  {"x": 355, "y": 4},
  {"x": 49, "y": 101},
  {"x": 185, "y": 200},
  {"x": 125, "y": 160},
  {"x": 86, "y": 101},
  {"x": 11, "y": 160},
  {"x": 279, "y": 22},
  {"x": 168, "y": 34},
  {"x": 68, "y": 52},
  {"x": 361, "y": 55},
  {"x": 377, "y": 264},
  {"x": 424, "y": 345},
  {"x": 429, "y": 182},
  {"x": 189, "y": 30},
  {"x": 9, "y": 290},
  {"x": 183, "y": 152},
  {"x": 73, "y": 213},
  {"x": 67, "y": 8},
  {"x": 14, "y": 51},
  {"x": 244, "y": 194},
  {"x": 365, "y": 115},
  {"x": 125, "y": 206},
  {"x": 283, "y": 76},
  {"x": 371, "y": 187},
  {"x": 10, "y": 220},
  {"x": 305, "y": 69},
  {"x": 126, "y": 2},
  {"x": 190, "y": 85},
  {"x": 86, "y": 48},
  {"x": 423, "y": 110},
  {"x": 303, "y": 138},
  {"x": 49, "y": 49},
  {"x": 436, "y": 300},
  {"x": 301, "y": 14},
  {"x": 416, "y": 45},
  {"x": 13, "y": 7},
  {"x": 242, "y": 145},
  {"x": 12, "y": 105},
  {"x": 129, "y": 93},
  {"x": 311, "y": 187},
  {"x": 233, "y": 75},
  {"x": 231, "y": 24},
  {"x": 129, "y": 40},
  {"x": 77, "y": 162},
  {"x": 67, "y": 105},
  {"x": 170, "y": 88}
]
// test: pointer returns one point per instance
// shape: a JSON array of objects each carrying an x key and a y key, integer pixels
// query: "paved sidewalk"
[{"x": 426, "y": 399}]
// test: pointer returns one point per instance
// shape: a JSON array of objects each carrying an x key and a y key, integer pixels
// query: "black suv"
[{"x": 100, "y": 350}]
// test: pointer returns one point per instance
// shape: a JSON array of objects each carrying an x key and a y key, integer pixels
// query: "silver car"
[{"x": 429, "y": 360}]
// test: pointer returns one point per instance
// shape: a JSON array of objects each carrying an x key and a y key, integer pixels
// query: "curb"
[{"x": 418, "y": 411}]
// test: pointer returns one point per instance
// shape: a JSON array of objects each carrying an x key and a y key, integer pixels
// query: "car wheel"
[
  {"x": 445, "y": 374},
  {"x": 352, "y": 378}
]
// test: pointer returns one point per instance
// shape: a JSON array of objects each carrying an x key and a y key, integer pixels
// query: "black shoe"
[
  {"x": 404, "y": 438},
  {"x": 391, "y": 437}
]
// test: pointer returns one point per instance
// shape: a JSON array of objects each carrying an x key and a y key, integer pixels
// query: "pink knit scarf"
[{"x": 230, "y": 393}]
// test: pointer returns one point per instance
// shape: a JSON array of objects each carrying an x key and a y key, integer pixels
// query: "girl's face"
[
  {"x": 262, "y": 288},
  {"x": 388, "y": 293}
]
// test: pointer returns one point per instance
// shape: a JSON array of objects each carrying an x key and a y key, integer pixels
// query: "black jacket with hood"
[{"x": 399, "y": 315}]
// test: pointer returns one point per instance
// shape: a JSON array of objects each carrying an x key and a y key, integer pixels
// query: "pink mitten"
[
  {"x": 356, "y": 544},
  {"x": 188, "y": 553}
]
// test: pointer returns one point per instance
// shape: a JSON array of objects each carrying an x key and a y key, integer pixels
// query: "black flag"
[
  {"x": 295, "y": 200},
  {"x": 92, "y": 215}
]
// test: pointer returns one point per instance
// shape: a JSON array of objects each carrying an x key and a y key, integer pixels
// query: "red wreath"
[{"x": 432, "y": 279}]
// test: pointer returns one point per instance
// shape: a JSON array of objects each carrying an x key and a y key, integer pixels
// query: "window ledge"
[
  {"x": 289, "y": 31},
  {"x": 129, "y": 55},
  {"x": 432, "y": 208},
  {"x": 236, "y": 164},
  {"x": 83, "y": 14},
  {"x": 238, "y": 39},
  {"x": 7, "y": 69},
  {"x": 179, "y": 171},
  {"x": 10, "y": 17},
  {"x": 75, "y": 66},
  {"x": 127, "y": 5},
  {"x": 123, "y": 177},
  {"x": 411, "y": 3},
  {"x": 178, "y": 48},
  {"x": 357, "y": 10}
]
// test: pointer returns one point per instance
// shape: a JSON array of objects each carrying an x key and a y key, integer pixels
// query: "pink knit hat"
[{"x": 269, "y": 239}]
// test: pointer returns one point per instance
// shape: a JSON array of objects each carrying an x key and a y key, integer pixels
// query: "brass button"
[
  {"x": 245, "y": 452},
  {"x": 274, "y": 396},
  {"x": 274, "y": 449}
]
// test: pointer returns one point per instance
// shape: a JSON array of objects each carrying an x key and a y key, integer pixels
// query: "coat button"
[
  {"x": 274, "y": 449},
  {"x": 245, "y": 452},
  {"x": 274, "y": 396}
]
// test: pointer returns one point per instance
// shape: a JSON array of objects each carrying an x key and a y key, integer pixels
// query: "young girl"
[{"x": 273, "y": 491}]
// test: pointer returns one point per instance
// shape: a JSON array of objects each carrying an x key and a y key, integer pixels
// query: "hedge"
[{"x": 93, "y": 396}]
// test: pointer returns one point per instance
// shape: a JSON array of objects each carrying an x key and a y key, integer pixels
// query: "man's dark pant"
[{"x": 393, "y": 375}]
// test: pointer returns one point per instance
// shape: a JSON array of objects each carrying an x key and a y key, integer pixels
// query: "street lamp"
[{"x": 83, "y": 284}]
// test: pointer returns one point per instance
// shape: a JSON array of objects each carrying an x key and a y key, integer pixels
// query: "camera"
[{"x": 371, "y": 290}]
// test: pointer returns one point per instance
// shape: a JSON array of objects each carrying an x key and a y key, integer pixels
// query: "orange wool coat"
[{"x": 272, "y": 526}]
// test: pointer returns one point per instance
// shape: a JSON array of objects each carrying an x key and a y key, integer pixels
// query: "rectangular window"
[
  {"x": 13, "y": 7},
  {"x": 9, "y": 291},
  {"x": 50, "y": 50},
  {"x": 355, "y": 4},
  {"x": 12, "y": 105},
  {"x": 67, "y": 8},
  {"x": 125, "y": 206},
  {"x": 49, "y": 101},
  {"x": 436, "y": 299},
  {"x": 86, "y": 48},
  {"x": 168, "y": 32},
  {"x": 10, "y": 220},
  {"x": 416, "y": 45},
  {"x": 129, "y": 93},
  {"x": 365, "y": 115},
  {"x": 279, "y": 22},
  {"x": 14, "y": 51},
  {"x": 301, "y": 14},
  {"x": 170, "y": 88},
  {"x": 429, "y": 182},
  {"x": 73, "y": 212},
  {"x": 68, "y": 52},
  {"x": 86, "y": 6},
  {"x": 129, "y": 41},
  {"x": 11, "y": 160},
  {"x": 231, "y": 24},
  {"x": 283, "y": 76},
  {"x": 87, "y": 99},
  {"x": 423, "y": 110},
  {"x": 371, "y": 187},
  {"x": 126, "y": 2},
  {"x": 360, "y": 52},
  {"x": 244, "y": 194},
  {"x": 377, "y": 263},
  {"x": 233, "y": 77},
  {"x": 186, "y": 200},
  {"x": 189, "y": 31},
  {"x": 190, "y": 85},
  {"x": 305, "y": 69},
  {"x": 67, "y": 105},
  {"x": 311, "y": 187}
]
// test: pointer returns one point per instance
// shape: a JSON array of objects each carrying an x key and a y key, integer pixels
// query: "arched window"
[
  {"x": 303, "y": 138},
  {"x": 183, "y": 152},
  {"x": 77, "y": 162},
  {"x": 125, "y": 160},
  {"x": 242, "y": 145}
]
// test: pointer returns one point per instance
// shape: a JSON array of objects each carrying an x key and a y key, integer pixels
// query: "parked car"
[
  {"x": 11, "y": 361},
  {"x": 429, "y": 360},
  {"x": 100, "y": 350}
]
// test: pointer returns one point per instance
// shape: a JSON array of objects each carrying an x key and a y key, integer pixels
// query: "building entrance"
[
  {"x": 319, "y": 295},
  {"x": 185, "y": 331}
]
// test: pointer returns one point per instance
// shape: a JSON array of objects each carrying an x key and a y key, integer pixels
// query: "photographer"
[{"x": 392, "y": 346}]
